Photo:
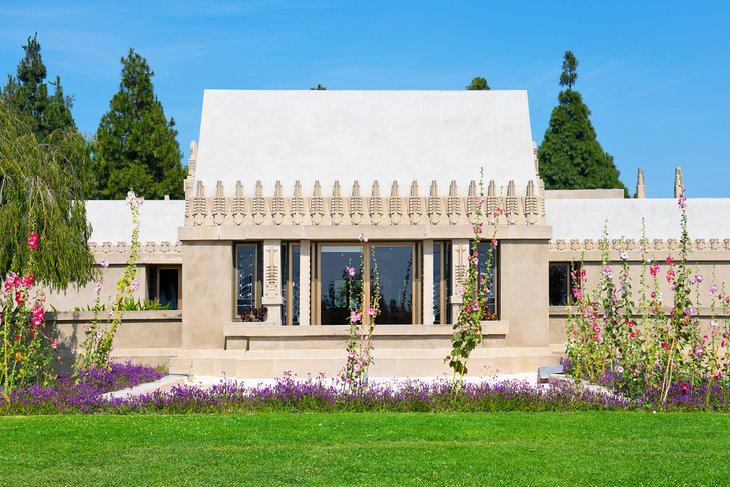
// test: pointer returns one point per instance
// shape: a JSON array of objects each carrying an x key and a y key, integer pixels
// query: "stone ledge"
[
  {"x": 150, "y": 315},
  {"x": 239, "y": 329}
]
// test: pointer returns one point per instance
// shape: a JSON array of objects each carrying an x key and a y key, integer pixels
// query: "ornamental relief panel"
[{"x": 333, "y": 206}]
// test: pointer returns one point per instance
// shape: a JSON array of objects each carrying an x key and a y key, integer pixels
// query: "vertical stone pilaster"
[
  {"x": 460, "y": 265},
  {"x": 428, "y": 282},
  {"x": 271, "y": 297},
  {"x": 305, "y": 283},
  {"x": 208, "y": 290},
  {"x": 523, "y": 291}
]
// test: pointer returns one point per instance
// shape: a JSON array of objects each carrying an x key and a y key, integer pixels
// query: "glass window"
[
  {"x": 246, "y": 277},
  {"x": 168, "y": 283},
  {"x": 290, "y": 284},
  {"x": 560, "y": 284},
  {"x": 395, "y": 271},
  {"x": 163, "y": 285},
  {"x": 441, "y": 282},
  {"x": 488, "y": 275},
  {"x": 335, "y": 288},
  {"x": 395, "y": 275}
]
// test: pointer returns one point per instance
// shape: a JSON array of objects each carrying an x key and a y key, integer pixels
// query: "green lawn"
[{"x": 369, "y": 449}]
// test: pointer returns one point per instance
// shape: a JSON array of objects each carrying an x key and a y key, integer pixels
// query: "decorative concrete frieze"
[
  {"x": 655, "y": 245},
  {"x": 149, "y": 252},
  {"x": 333, "y": 207}
]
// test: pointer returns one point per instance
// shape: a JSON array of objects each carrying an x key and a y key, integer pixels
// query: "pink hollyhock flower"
[
  {"x": 135, "y": 284},
  {"x": 654, "y": 269},
  {"x": 669, "y": 261},
  {"x": 607, "y": 271},
  {"x": 355, "y": 317},
  {"x": 33, "y": 241},
  {"x": 98, "y": 286},
  {"x": 713, "y": 289},
  {"x": 54, "y": 344},
  {"x": 104, "y": 263},
  {"x": 29, "y": 280},
  {"x": 371, "y": 311}
]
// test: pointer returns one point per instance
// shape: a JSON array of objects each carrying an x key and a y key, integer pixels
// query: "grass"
[{"x": 367, "y": 449}]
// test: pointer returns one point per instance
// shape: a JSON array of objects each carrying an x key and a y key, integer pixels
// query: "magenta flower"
[
  {"x": 104, "y": 263},
  {"x": 33, "y": 241}
]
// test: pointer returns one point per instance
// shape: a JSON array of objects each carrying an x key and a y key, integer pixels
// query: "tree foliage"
[
  {"x": 135, "y": 144},
  {"x": 570, "y": 155},
  {"x": 478, "y": 84},
  {"x": 319, "y": 87},
  {"x": 27, "y": 95},
  {"x": 40, "y": 192}
]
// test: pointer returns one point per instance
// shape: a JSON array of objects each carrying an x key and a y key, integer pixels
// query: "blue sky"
[{"x": 656, "y": 75}]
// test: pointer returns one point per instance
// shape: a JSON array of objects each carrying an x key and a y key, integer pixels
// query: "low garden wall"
[{"x": 151, "y": 337}]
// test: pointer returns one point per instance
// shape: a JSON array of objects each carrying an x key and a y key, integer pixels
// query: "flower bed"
[
  {"x": 321, "y": 395},
  {"x": 82, "y": 396}
]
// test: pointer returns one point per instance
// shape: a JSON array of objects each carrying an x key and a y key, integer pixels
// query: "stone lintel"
[{"x": 373, "y": 232}]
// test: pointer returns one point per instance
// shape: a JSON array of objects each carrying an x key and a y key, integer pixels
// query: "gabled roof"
[{"x": 363, "y": 135}]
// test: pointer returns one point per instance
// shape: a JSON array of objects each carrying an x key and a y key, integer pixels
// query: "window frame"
[
  {"x": 155, "y": 269},
  {"x": 416, "y": 274},
  {"x": 287, "y": 267},
  {"x": 444, "y": 282},
  {"x": 495, "y": 276},
  {"x": 571, "y": 266},
  {"x": 257, "y": 280}
]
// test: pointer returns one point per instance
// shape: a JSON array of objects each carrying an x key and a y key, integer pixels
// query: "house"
[{"x": 282, "y": 184}]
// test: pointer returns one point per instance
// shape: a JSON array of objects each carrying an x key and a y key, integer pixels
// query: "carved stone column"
[
  {"x": 305, "y": 283},
  {"x": 428, "y": 282},
  {"x": 271, "y": 297},
  {"x": 460, "y": 259}
]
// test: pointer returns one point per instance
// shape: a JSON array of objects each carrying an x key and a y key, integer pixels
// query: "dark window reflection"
[
  {"x": 395, "y": 270},
  {"x": 487, "y": 259},
  {"x": 559, "y": 282},
  {"x": 336, "y": 290},
  {"x": 245, "y": 277}
]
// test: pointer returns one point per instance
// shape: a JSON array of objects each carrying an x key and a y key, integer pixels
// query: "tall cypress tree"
[
  {"x": 570, "y": 155},
  {"x": 135, "y": 144},
  {"x": 27, "y": 95}
]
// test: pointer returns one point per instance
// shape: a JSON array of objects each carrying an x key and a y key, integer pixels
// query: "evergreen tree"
[
  {"x": 135, "y": 144},
  {"x": 570, "y": 155},
  {"x": 27, "y": 95},
  {"x": 41, "y": 194},
  {"x": 318, "y": 87},
  {"x": 478, "y": 84}
]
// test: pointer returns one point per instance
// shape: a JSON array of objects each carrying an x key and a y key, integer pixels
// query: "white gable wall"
[
  {"x": 364, "y": 135},
  {"x": 585, "y": 218}
]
